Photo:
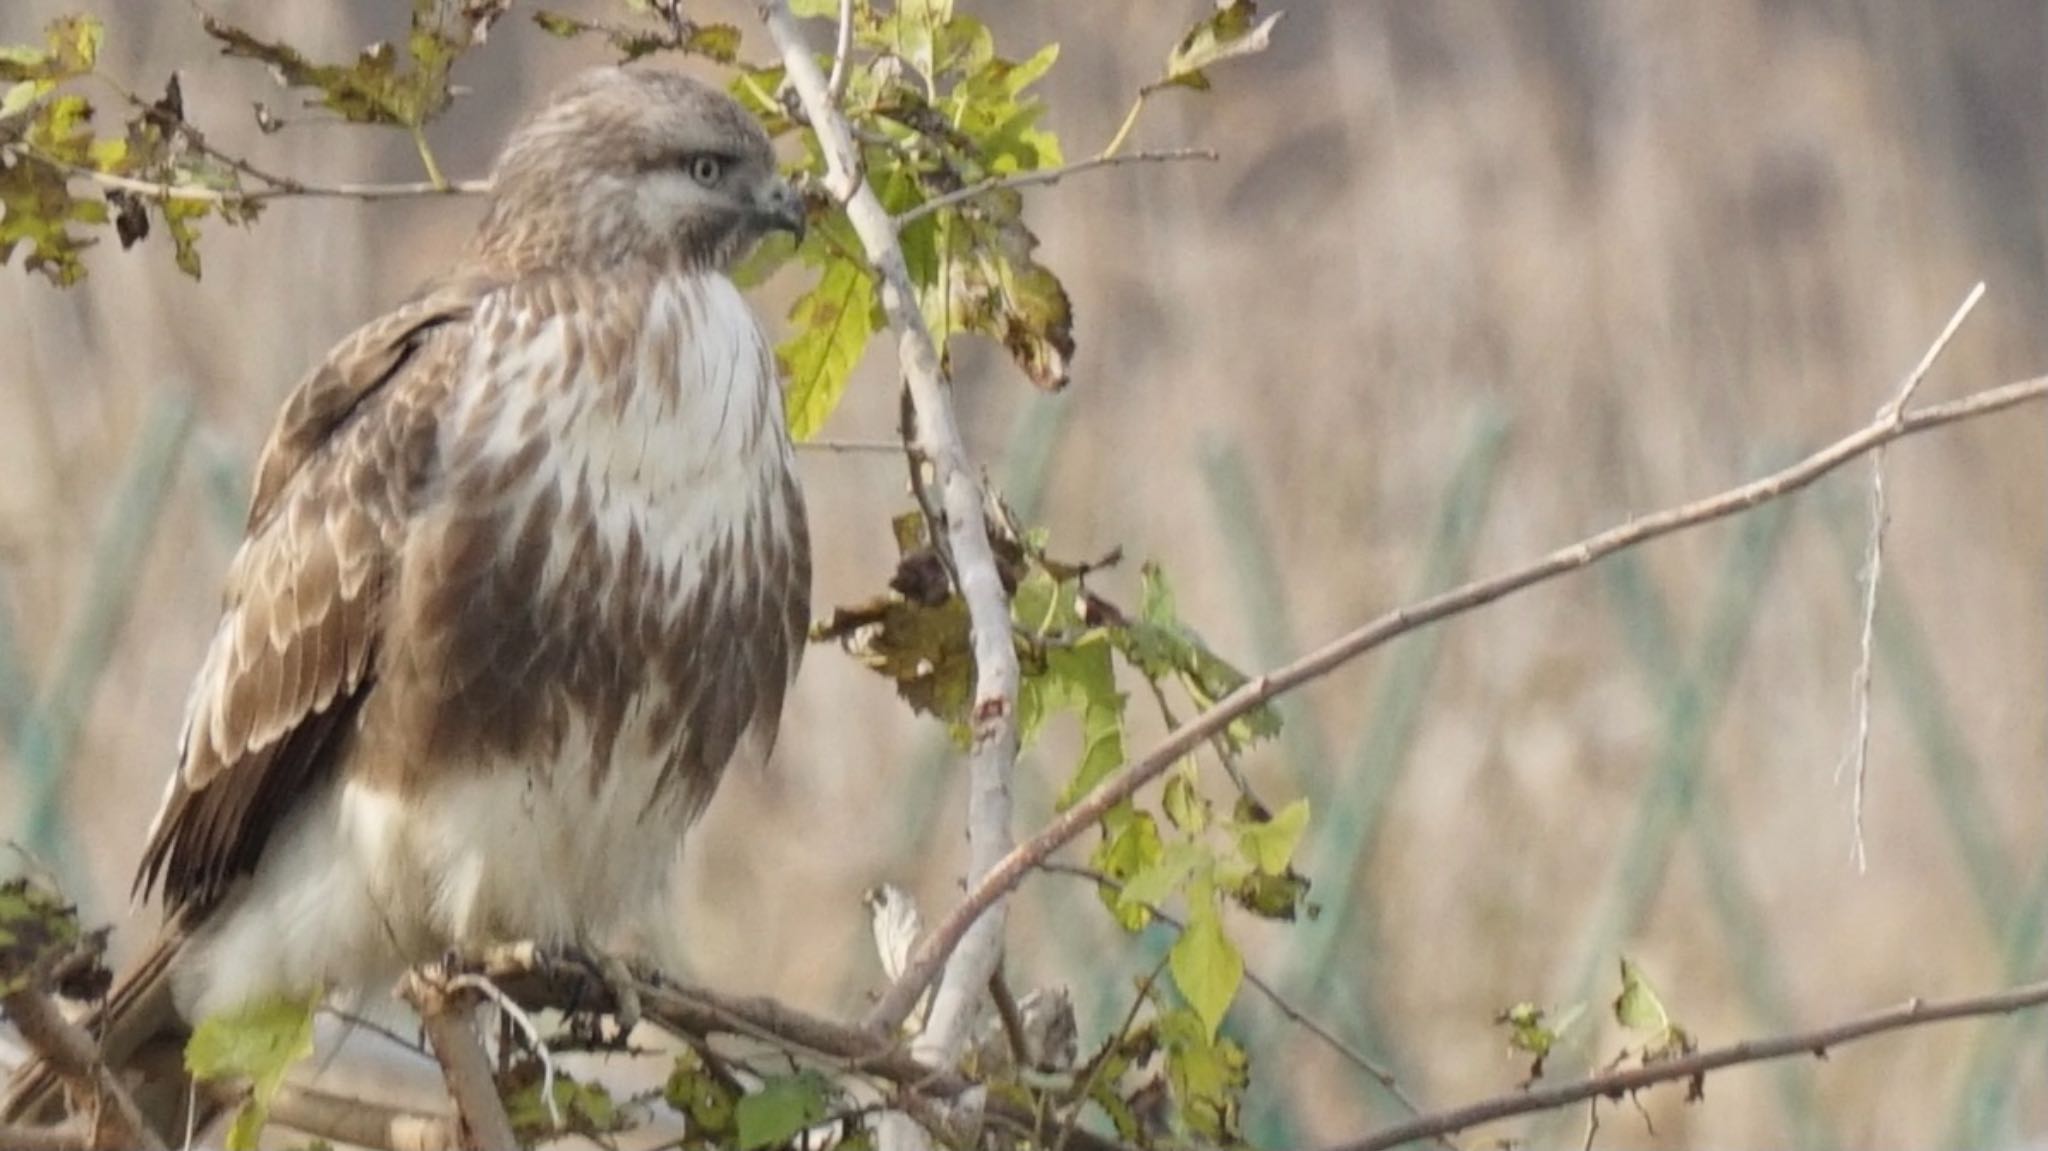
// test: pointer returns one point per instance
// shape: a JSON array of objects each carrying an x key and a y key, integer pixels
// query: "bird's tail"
[{"x": 139, "y": 1034}]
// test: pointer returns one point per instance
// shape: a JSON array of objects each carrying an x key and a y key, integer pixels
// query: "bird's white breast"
[{"x": 681, "y": 448}]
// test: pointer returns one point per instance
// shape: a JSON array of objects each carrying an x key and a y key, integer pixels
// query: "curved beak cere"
[{"x": 778, "y": 206}]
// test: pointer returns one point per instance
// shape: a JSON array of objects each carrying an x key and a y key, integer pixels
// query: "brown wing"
[{"x": 297, "y": 644}]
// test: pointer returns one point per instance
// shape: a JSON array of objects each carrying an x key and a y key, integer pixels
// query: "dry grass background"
[{"x": 1668, "y": 243}]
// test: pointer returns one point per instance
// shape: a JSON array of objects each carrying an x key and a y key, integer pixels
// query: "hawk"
[{"x": 526, "y": 571}]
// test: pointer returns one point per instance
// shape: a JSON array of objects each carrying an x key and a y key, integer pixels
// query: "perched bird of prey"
[{"x": 526, "y": 571}]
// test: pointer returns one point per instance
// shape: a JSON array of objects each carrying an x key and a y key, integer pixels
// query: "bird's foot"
[{"x": 619, "y": 979}]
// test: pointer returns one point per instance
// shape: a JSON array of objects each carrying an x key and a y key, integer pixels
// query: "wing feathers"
[{"x": 296, "y": 645}]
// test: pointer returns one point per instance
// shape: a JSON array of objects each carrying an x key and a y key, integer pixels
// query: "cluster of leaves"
[
  {"x": 49, "y": 150},
  {"x": 1536, "y": 1031},
  {"x": 379, "y": 86},
  {"x": 1073, "y": 645},
  {"x": 42, "y": 947},
  {"x": 672, "y": 32},
  {"x": 61, "y": 178}
]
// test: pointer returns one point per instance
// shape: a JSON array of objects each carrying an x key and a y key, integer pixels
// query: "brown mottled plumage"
[{"x": 526, "y": 570}]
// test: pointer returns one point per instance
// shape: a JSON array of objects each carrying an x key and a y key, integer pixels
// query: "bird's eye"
[{"x": 706, "y": 169}]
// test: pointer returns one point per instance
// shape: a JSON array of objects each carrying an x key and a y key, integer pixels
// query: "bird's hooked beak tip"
[{"x": 782, "y": 209}]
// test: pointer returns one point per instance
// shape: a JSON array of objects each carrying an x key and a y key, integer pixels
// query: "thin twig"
[
  {"x": 282, "y": 189},
  {"x": 451, "y": 1029},
  {"x": 932, "y": 951},
  {"x": 73, "y": 1056},
  {"x": 1614, "y": 1084},
  {"x": 1046, "y": 176},
  {"x": 1892, "y": 412},
  {"x": 852, "y": 447},
  {"x": 993, "y": 714},
  {"x": 842, "y": 47}
]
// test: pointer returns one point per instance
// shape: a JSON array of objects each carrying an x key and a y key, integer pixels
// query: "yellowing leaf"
[{"x": 1206, "y": 965}]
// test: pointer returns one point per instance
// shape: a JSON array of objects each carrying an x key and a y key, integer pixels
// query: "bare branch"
[
  {"x": 1873, "y": 570},
  {"x": 994, "y": 713},
  {"x": 842, "y": 47},
  {"x": 1045, "y": 177},
  {"x": 451, "y": 1029},
  {"x": 1615, "y": 1084},
  {"x": 1069, "y": 824},
  {"x": 71, "y": 1053}
]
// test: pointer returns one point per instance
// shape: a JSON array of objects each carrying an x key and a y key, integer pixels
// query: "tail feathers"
[{"x": 139, "y": 1031}]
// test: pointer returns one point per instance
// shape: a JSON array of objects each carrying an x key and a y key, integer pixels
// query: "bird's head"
[{"x": 635, "y": 166}]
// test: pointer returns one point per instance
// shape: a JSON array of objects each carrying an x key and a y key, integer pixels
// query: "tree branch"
[
  {"x": 359, "y": 1122},
  {"x": 567, "y": 982},
  {"x": 994, "y": 714},
  {"x": 1615, "y": 1084},
  {"x": 74, "y": 1057},
  {"x": 1047, "y": 176},
  {"x": 1011, "y": 870},
  {"x": 451, "y": 1030}
]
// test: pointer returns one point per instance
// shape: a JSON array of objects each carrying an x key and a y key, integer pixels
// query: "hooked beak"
[{"x": 779, "y": 207}]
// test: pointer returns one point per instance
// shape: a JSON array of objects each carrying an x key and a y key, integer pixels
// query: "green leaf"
[
  {"x": 703, "y": 1098},
  {"x": 1207, "y": 1073},
  {"x": 1270, "y": 844},
  {"x": 1130, "y": 844},
  {"x": 1233, "y": 31},
  {"x": 1532, "y": 1031},
  {"x": 1637, "y": 1007},
  {"x": 1184, "y": 803},
  {"x": 1163, "y": 648},
  {"x": 259, "y": 1043},
  {"x": 834, "y": 321},
  {"x": 584, "y": 1108},
  {"x": 781, "y": 1108},
  {"x": 1206, "y": 965},
  {"x": 1164, "y": 875}
]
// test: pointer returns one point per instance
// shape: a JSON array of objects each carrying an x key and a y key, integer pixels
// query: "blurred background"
[{"x": 1474, "y": 278}]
